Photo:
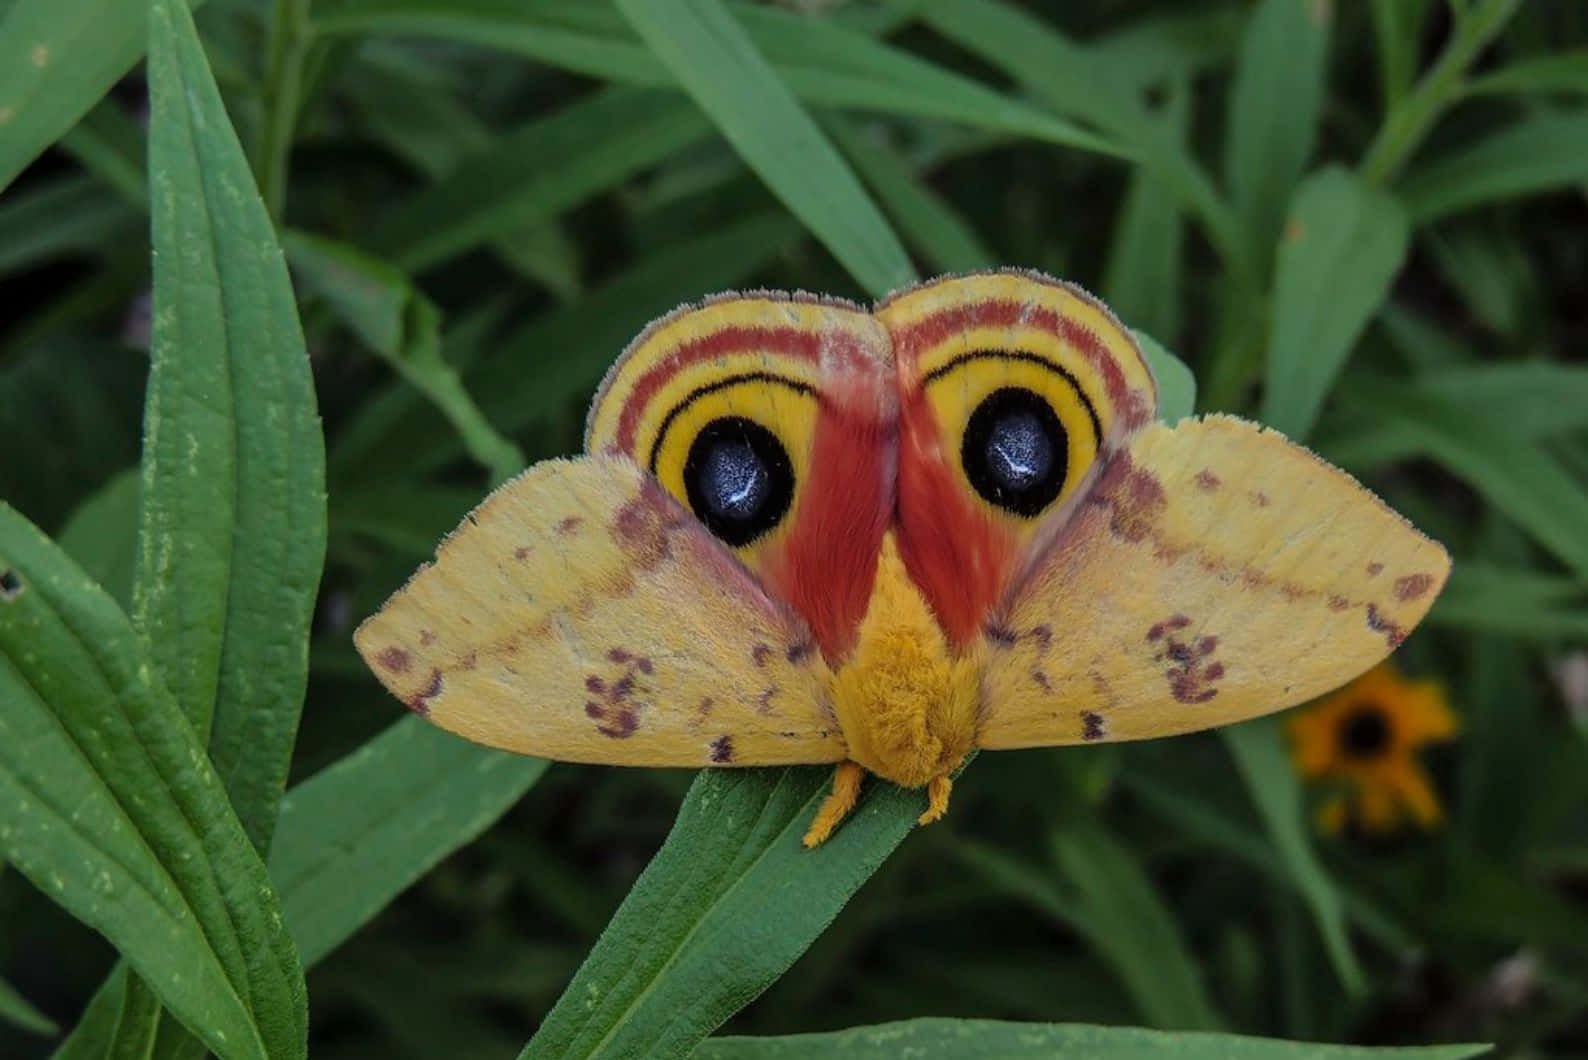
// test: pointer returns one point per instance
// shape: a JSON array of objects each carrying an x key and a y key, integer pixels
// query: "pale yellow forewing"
[
  {"x": 1215, "y": 572},
  {"x": 579, "y": 613}
]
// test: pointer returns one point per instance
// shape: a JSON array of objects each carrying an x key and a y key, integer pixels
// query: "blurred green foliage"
[{"x": 1362, "y": 222}]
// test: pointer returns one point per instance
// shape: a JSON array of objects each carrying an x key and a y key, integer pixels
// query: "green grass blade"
[
  {"x": 113, "y": 810},
  {"x": 232, "y": 533},
  {"x": 721, "y": 69},
  {"x": 1142, "y": 281},
  {"x": 1343, "y": 244},
  {"x": 951, "y": 1039},
  {"x": 1259, "y": 753},
  {"x": 18, "y": 1011},
  {"x": 102, "y": 536},
  {"x": 927, "y": 222},
  {"x": 536, "y": 172},
  {"x": 1274, "y": 107},
  {"x": 727, "y": 904},
  {"x": 1564, "y": 72},
  {"x": 1541, "y": 153},
  {"x": 57, "y": 218},
  {"x": 1517, "y": 603},
  {"x": 358, "y": 833},
  {"x": 1128, "y": 920}
]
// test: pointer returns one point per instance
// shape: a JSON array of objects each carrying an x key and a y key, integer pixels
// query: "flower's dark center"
[{"x": 1364, "y": 732}]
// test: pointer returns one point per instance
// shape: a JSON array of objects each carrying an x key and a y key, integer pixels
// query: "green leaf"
[
  {"x": 1275, "y": 104},
  {"x": 113, "y": 810},
  {"x": 536, "y": 172},
  {"x": 355, "y": 835},
  {"x": 19, "y": 1012},
  {"x": 1128, "y": 921},
  {"x": 1259, "y": 753},
  {"x": 1142, "y": 281},
  {"x": 727, "y": 904},
  {"x": 1524, "y": 481},
  {"x": 1540, "y": 153},
  {"x": 389, "y": 315},
  {"x": 60, "y": 217},
  {"x": 1343, "y": 244},
  {"x": 232, "y": 534},
  {"x": 1177, "y": 387},
  {"x": 109, "y": 143},
  {"x": 56, "y": 61},
  {"x": 102, "y": 534},
  {"x": 821, "y": 60},
  {"x": 1518, "y": 603},
  {"x": 720, "y": 68},
  {"x": 1563, "y": 72},
  {"x": 949, "y": 1039},
  {"x": 925, "y": 219}
]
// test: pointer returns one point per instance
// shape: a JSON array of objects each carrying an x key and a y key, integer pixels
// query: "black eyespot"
[
  {"x": 1016, "y": 452},
  {"x": 739, "y": 479}
]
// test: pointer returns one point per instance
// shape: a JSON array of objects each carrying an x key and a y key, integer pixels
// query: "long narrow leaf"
[
  {"x": 721, "y": 69},
  {"x": 109, "y": 805}
]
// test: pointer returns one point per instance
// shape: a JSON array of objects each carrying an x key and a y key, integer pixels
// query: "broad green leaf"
[
  {"x": 724, "y": 908},
  {"x": 1177, "y": 387},
  {"x": 721, "y": 69},
  {"x": 102, "y": 534},
  {"x": 1541, "y": 153},
  {"x": 355, "y": 835},
  {"x": 1128, "y": 921},
  {"x": 1564, "y": 72},
  {"x": 56, "y": 61},
  {"x": 536, "y": 172},
  {"x": 232, "y": 534},
  {"x": 1260, "y": 754},
  {"x": 822, "y": 60},
  {"x": 112, "y": 809},
  {"x": 1275, "y": 104},
  {"x": 950, "y": 1039},
  {"x": 1142, "y": 282},
  {"x": 389, "y": 315},
  {"x": 1518, "y": 477},
  {"x": 20, "y": 1012},
  {"x": 1343, "y": 244},
  {"x": 927, "y": 222}
]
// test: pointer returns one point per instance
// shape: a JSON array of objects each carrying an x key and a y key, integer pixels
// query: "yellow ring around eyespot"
[
  {"x": 783, "y": 406},
  {"x": 957, "y": 388}
]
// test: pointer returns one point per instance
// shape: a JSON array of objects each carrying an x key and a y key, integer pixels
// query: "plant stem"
[
  {"x": 289, "y": 43},
  {"x": 1409, "y": 121}
]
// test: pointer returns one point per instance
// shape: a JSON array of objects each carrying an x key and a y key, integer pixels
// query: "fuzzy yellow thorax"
[{"x": 906, "y": 703}]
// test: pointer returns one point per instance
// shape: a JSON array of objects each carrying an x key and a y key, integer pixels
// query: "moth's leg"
[
  {"x": 846, "y": 790},
  {"x": 936, "y": 799}
]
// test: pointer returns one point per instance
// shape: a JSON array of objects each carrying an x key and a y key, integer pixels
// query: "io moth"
[{"x": 807, "y": 533}]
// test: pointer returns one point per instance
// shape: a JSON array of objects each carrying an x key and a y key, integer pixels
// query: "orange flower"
[{"x": 1365, "y": 736}]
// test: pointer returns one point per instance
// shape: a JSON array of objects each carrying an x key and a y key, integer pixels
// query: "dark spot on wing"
[
  {"x": 798, "y": 653},
  {"x": 1379, "y": 624},
  {"x": 397, "y": 660},
  {"x": 1168, "y": 625},
  {"x": 1041, "y": 680},
  {"x": 1413, "y": 586},
  {"x": 569, "y": 525},
  {"x": 419, "y": 703},
  {"x": 722, "y": 749},
  {"x": 1001, "y": 635},
  {"x": 1092, "y": 727},
  {"x": 1207, "y": 480},
  {"x": 1194, "y": 675},
  {"x": 760, "y": 654},
  {"x": 1374, "y": 569},
  {"x": 1338, "y": 603}
]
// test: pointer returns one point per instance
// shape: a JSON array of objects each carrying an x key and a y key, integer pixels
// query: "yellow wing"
[
  {"x": 1215, "y": 572},
  {"x": 580, "y": 613}
]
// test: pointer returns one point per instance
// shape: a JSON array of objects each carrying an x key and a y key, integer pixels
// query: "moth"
[{"x": 805, "y": 533}]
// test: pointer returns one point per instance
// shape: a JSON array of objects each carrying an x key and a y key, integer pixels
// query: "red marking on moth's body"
[
  {"x": 1207, "y": 480},
  {"x": 1412, "y": 586},
  {"x": 397, "y": 660},
  {"x": 1131, "y": 406},
  {"x": 643, "y": 527},
  {"x": 419, "y": 702},
  {"x": 827, "y": 565},
  {"x": 1193, "y": 676},
  {"x": 616, "y": 708},
  {"x": 1379, "y": 624}
]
